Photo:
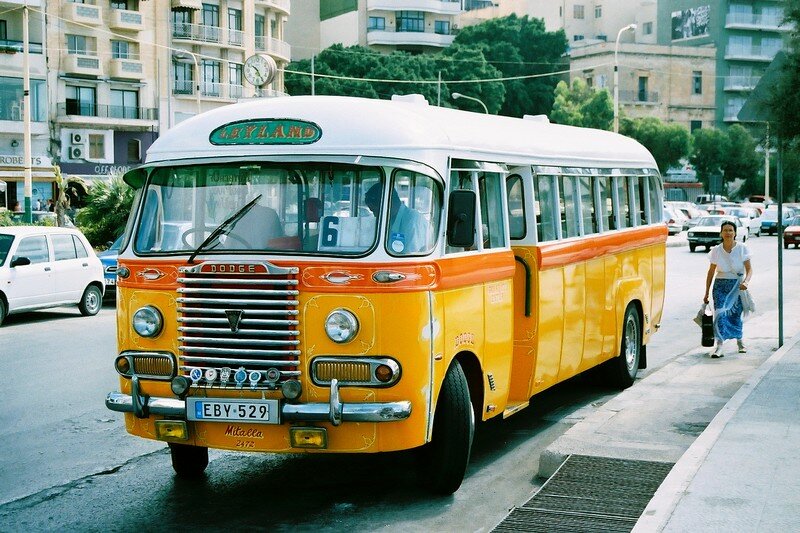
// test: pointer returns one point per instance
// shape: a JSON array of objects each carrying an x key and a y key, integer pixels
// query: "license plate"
[
  {"x": 234, "y": 410},
  {"x": 111, "y": 281}
]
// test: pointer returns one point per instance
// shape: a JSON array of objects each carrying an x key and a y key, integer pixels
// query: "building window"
[
  {"x": 376, "y": 24},
  {"x": 3, "y": 30},
  {"x": 442, "y": 27},
  {"x": 11, "y": 95},
  {"x": 121, "y": 50},
  {"x": 184, "y": 78},
  {"x": 577, "y": 11},
  {"x": 589, "y": 81},
  {"x": 76, "y": 44},
  {"x": 210, "y": 77},
  {"x": 273, "y": 28},
  {"x": 81, "y": 101},
  {"x": 260, "y": 25},
  {"x": 124, "y": 104},
  {"x": 235, "y": 19},
  {"x": 642, "y": 96},
  {"x": 411, "y": 21},
  {"x": 119, "y": 4},
  {"x": 97, "y": 146},
  {"x": 598, "y": 12},
  {"x": 647, "y": 28},
  {"x": 697, "y": 82},
  {"x": 235, "y": 72},
  {"x": 577, "y": 37},
  {"x": 210, "y": 15},
  {"x": 134, "y": 151},
  {"x": 695, "y": 125}
]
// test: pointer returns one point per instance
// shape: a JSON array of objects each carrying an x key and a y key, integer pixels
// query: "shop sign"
[{"x": 18, "y": 160}]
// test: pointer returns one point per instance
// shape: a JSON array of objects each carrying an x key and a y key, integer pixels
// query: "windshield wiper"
[{"x": 226, "y": 224}]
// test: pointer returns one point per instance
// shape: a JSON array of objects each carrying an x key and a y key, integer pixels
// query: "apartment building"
[
  {"x": 11, "y": 104},
  {"x": 107, "y": 76},
  {"x": 746, "y": 34},
  {"x": 416, "y": 26}
]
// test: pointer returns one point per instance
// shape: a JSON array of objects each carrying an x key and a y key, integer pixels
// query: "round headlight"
[
  {"x": 147, "y": 321},
  {"x": 341, "y": 326}
]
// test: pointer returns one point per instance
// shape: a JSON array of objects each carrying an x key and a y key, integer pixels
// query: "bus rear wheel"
[
  {"x": 188, "y": 461},
  {"x": 621, "y": 371},
  {"x": 444, "y": 460}
]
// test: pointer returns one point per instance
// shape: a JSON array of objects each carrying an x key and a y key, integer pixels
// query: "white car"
[
  {"x": 707, "y": 231},
  {"x": 749, "y": 217},
  {"x": 44, "y": 267}
]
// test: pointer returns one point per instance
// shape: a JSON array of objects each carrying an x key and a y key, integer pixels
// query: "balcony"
[
  {"x": 429, "y": 6},
  {"x": 409, "y": 38},
  {"x": 197, "y": 33},
  {"x": 129, "y": 68},
  {"x": 107, "y": 111},
  {"x": 741, "y": 83},
  {"x": 278, "y": 5},
  {"x": 750, "y": 53},
  {"x": 751, "y": 21},
  {"x": 236, "y": 38},
  {"x": 274, "y": 47},
  {"x": 122, "y": 19},
  {"x": 225, "y": 91},
  {"x": 82, "y": 13},
  {"x": 638, "y": 97},
  {"x": 82, "y": 64},
  {"x": 8, "y": 46}
]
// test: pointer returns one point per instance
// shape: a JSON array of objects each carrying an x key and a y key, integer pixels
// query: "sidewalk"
[{"x": 743, "y": 472}]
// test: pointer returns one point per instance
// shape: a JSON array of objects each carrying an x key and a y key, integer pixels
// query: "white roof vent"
[
  {"x": 537, "y": 118},
  {"x": 410, "y": 98}
]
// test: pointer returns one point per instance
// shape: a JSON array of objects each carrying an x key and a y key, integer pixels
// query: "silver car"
[{"x": 707, "y": 231}]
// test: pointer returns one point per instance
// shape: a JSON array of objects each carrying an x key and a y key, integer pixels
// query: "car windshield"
[
  {"x": 711, "y": 221},
  {"x": 741, "y": 213},
  {"x": 794, "y": 222},
  {"x": 300, "y": 208},
  {"x": 5, "y": 246}
]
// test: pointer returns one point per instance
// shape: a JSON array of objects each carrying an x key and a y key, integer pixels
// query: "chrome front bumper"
[{"x": 334, "y": 411}]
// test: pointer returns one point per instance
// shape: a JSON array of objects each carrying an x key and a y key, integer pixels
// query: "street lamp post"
[
  {"x": 456, "y": 96},
  {"x": 180, "y": 55},
  {"x": 616, "y": 75},
  {"x": 26, "y": 117}
]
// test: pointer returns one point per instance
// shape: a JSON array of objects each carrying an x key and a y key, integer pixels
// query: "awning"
[{"x": 187, "y": 4}]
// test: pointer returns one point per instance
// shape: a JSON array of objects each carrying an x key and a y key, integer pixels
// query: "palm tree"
[{"x": 108, "y": 204}]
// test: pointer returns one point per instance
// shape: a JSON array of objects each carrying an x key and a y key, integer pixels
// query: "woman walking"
[{"x": 730, "y": 262}]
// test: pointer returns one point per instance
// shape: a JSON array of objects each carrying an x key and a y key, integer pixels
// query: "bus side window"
[
  {"x": 491, "y": 197},
  {"x": 569, "y": 206},
  {"x": 623, "y": 199},
  {"x": 653, "y": 194},
  {"x": 607, "y": 203},
  {"x": 544, "y": 208},
  {"x": 586, "y": 192},
  {"x": 638, "y": 217},
  {"x": 644, "y": 205},
  {"x": 516, "y": 206}
]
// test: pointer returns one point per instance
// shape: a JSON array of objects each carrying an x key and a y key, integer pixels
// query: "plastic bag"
[
  {"x": 698, "y": 319},
  {"x": 748, "y": 305}
]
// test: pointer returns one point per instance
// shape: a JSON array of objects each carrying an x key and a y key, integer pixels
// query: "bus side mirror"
[
  {"x": 20, "y": 261},
  {"x": 461, "y": 219}
]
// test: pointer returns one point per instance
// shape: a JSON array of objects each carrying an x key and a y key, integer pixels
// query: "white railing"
[
  {"x": 752, "y": 20},
  {"x": 197, "y": 32}
]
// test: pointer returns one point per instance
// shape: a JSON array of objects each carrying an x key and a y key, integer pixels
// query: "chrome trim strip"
[
  {"x": 232, "y": 302},
  {"x": 309, "y": 412},
  {"x": 237, "y": 292},
  {"x": 253, "y": 312},
  {"x": 373, "y": 363},
  {"x": 227, "y": 331},
  {"x": 246, "y": 343},
  {"x": 269, "y": 267},
  {"x": 235, "y": 351},
  {"x": 237, "y": 281},
  {"x": 240, "y": 362},
  {"x": 243, "y": 322}
]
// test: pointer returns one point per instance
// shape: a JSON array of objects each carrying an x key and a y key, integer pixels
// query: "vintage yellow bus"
[{"x": 331, "y": 274}]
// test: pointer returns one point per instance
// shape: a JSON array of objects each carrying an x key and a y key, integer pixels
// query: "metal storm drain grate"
[{"x": 590, "y": 494}]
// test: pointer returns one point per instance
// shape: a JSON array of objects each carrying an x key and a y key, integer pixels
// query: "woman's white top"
[{"x": 729, "y": 265}]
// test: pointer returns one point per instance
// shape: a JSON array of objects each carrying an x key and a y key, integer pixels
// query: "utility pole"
[{"x": 26, "y": 116}]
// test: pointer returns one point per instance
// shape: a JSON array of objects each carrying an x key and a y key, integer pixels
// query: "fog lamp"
[
  {"x": 291, "y": 389},
  {"x": 123, "y": 365},
  {"x": 170, "y": 430},
  {"x": 384, "y": 373},
  {"x": 341, "y": 326},
  {"x": 180, "y": 385},
  {"x": 147, "y": 321},
  {"x": 306, "y": 437}
]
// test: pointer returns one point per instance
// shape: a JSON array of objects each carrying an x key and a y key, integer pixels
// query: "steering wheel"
[{"x": 203, "y": 230}]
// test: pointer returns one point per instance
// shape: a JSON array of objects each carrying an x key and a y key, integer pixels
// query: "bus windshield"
[{"x": 298, "y": 208}]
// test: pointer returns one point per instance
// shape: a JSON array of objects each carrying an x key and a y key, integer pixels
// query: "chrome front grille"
[{"x": 238, "y": 324}]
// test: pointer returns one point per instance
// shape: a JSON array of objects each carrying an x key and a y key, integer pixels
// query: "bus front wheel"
[
  {"x": 622, "y": 369},
  {"x": 445, "y": 458},
  {"x": 188, "y": 461}
]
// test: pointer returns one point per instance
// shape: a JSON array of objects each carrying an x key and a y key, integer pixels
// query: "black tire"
[
  {"x": 621, "y": 371},
  {"x": 188, "y": 461},
  {"x": 3, "y": 311},
  {"x": 785, "y": 245},
  {"x": 445, "y": 458},
  {"x": 91, "y": 301},
  {"x": 692, "y": 247}
]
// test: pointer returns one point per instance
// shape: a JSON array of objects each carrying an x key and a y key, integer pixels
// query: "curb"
[{"x": 669, "y": 494}]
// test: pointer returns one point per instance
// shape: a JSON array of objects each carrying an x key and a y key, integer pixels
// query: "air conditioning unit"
[
  {"x": 77, "y": 138},
  {"x": 76, "y": 152}
]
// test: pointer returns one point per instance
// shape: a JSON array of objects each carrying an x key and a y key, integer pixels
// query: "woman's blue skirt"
[{"x": 727, "y": 309}]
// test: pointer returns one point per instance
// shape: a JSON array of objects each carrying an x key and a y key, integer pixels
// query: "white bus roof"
[{"x": 409, "y": 129}]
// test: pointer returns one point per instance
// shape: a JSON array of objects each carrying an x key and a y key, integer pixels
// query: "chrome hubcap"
[
  {"x": 92, "y": 301},
  {"x": 631, "y": 343}
]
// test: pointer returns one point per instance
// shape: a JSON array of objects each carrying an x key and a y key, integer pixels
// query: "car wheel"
[
  {"x": 785, "y": 245},
  {"x": 3, "y": 311},
  {"x": 188, "y": 461},
  {"x": 621, "y": 371},
  {"x": 692, "y": 247},
  {"x": 91, "y": 301},
  {"x": 444, "y": 460}
]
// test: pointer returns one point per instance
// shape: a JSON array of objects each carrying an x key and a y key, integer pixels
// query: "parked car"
[
  {"x": 690, "y": 211},
  {"x": 674, "y": 220},
  {"x": 109, "y": 259},
  {"x": 710, "y": 198},
  {"x": 707, "y": 231},
  {"x": 769, "y": 220},
  {"x": 42, "y": 217},
  {"x": 42, "y": 266},
  {"x": 791, "y": 235},
  {"x": 749, "y": 217}
]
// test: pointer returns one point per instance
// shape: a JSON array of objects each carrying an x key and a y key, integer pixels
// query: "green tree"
[
  {"x": 108, "y": 204},
  {"x": 581, "y": 105},
  {"x": 451, "y": 64},
  {"x": 741, "y": 160},
  {"x": 519, "y": 46},
  {"x": 709, "y": 148},
  {"x": 668, "y": 142}
]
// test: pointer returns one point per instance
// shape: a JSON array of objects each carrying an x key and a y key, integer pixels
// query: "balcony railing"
[
  {"x": 741, "y": 83},
  {"x": 209, "y": 89},
  {"x": 83, "y": 63},
  {"x": 273, "y": 46},
  {"x": 123, "y": 19},
  {"x": 752, "y": 52},
  {"x": 10, "y": 46},
  {"x": 197, "y": 32},
  {"x": 410, "y": 38},
  {"x": 107, "y": 111},
  {"x": 83, "y": 13},
  {"x": 638, "y": 97},
  {"x": 281, "y": 5},
  {"x": 236, "y": 37},
  {"x": 440, "y": 7},
  {"x": 126, "y": 68},
  {"x": 754, "y": 21}
]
